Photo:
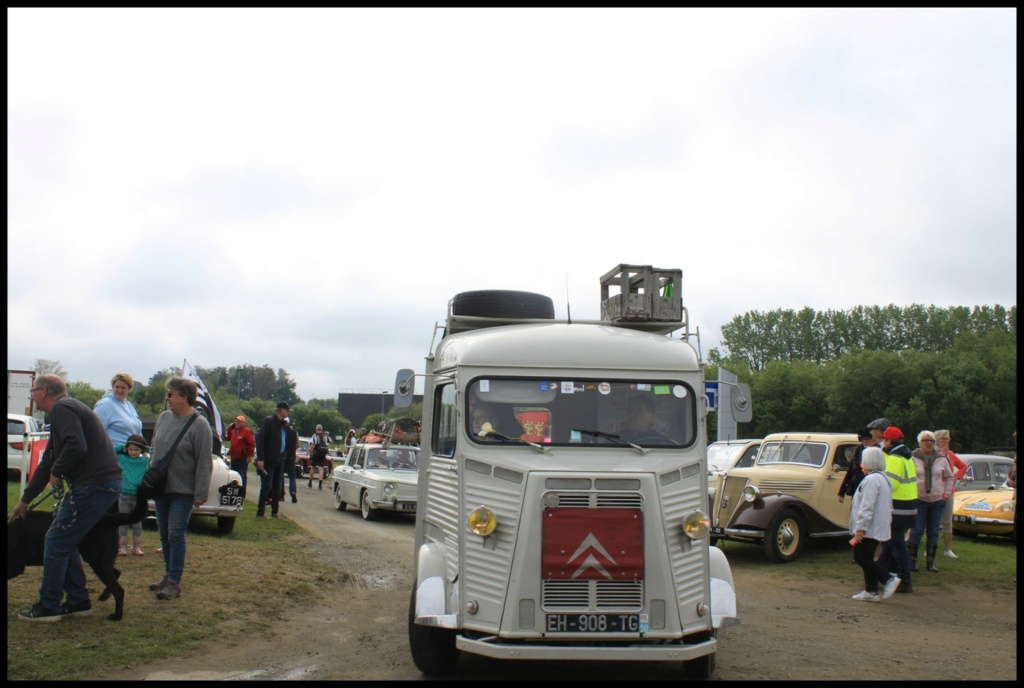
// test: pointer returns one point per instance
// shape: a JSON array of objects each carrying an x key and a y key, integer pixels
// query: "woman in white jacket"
[{"x": 870, "y": 523}]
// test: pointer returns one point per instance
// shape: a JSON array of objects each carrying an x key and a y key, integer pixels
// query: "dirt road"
[{"x": 790, "y": 629}]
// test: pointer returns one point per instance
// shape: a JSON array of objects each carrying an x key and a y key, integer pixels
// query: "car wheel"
[
  {"x": 433, "y": 649},
  {"x": 225, "y": 524},
  {"x": 367, "y": 510},
  {"x": 338, "y": 503},
  {"x": 499, "y": 303},
  {"x": 784, "y": 540}
]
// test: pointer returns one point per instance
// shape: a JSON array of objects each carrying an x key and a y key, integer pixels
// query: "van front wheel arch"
[{"x": 433, "y": 649}]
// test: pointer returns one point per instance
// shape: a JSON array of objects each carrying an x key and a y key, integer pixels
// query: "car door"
[{"x": 350, "y": 475}]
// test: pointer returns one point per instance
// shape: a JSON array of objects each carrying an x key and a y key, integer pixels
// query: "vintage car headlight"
[
  {"x": 482, "y": 521},
  {"x": 389, "y": 488},
  {"x": 1005, "y": 507},
  {"x": 751, "y": 493},
  {"x": 696, "y": 525}
]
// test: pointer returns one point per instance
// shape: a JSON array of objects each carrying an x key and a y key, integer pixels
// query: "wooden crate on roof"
[{"x": 642, "y": 292}]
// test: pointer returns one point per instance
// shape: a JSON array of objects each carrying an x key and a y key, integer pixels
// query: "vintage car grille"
[
  {"x": 727, "y": 501},
  {"x": 582, "y": 595},
  {"x": 561, "y": 595},
  {"x": 786, "y": 486}
]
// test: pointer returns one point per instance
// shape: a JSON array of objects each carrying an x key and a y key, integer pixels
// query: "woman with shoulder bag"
[{"x": 187, "y": 447}]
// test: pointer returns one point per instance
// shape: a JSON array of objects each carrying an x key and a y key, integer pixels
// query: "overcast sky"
[{"x": 308, "y": 188}]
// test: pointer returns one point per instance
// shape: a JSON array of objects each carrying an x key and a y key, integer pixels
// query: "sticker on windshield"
[
  {"x": 604, "y": 388},
  {"x": 679, "y": 391},
  {"x": 567, "y": 387}
]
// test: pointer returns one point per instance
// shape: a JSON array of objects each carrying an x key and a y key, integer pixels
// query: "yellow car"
[{"x": 983, "y": 512}]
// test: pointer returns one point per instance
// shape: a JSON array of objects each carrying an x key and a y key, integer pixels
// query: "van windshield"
[{"x": 648, "y": 413}]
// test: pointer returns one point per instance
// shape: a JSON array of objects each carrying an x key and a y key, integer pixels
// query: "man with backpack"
[{"x": 319, "y": 445}]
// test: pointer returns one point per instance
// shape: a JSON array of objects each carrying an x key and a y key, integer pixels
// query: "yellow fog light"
[
  {"x": 482, "y": 521},
  {"x": 696, "y": 525}
]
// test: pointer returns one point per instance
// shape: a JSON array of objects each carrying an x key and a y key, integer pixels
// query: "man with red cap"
[
  {"x": 902, "y": 474},
  {"x": 242, "y": 449}
]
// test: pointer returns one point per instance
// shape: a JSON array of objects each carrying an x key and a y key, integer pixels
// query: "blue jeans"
[
  {"x": 929, "y": 517},
  {"x": 82, "y": 508},
  {"x": 289, "y": 472},
  {"x": 268, "y": 488},
  {"x": 242, "y": 466},
  {"x": 173, "y": 512}
]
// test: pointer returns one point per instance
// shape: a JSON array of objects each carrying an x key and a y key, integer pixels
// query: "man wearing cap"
[
  {"x": 242, "y": 447},
  {"x": 902, "y": 474},
  {"x": 270, "y": 458},
  {"x": 854, "y": 474}
]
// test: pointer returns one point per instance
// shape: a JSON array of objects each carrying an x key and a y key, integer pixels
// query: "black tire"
[
  {"x": 225, "y": 524},
  {"x": 338, "y": 503},
  {"x": 433, "y": 649},
  {"x": 366, "y": 509},
  {"x": 702, "y": 668},
  {"x": 784, "y": 540},
  {"x": 498, "y": 303}
]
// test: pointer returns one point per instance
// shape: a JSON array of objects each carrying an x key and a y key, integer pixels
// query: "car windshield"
[
  {"x": 720, "y": 456},
  {"x": 545, "y": 412},
  {"x": 399, "y": 458},
  {"x": 809, "y": 453}
]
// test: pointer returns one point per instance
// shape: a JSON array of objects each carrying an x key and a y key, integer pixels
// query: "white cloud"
[{"x": 308, "y": 188}]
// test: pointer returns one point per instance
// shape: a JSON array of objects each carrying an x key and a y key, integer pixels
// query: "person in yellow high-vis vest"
[{"x": 902, "y": 474}]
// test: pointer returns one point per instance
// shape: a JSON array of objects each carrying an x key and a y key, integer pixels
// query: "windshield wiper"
[{"x": 614, "y": 438}]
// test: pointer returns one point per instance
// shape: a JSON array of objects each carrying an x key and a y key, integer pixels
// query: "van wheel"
[
  {"x": 784, "y": 540},
  {"x": 702, "y": 668},
  {"x": 433, "y": 649},
  {"x": 338, "y": 503},
  {"x": 498, "y": 303},
  {"x": 225, "y": 524}
]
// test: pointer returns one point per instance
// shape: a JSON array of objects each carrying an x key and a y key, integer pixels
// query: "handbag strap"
[{"x": 169, "y": 454}]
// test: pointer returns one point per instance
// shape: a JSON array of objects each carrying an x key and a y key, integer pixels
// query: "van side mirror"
[{"x": 405, "y": 385}]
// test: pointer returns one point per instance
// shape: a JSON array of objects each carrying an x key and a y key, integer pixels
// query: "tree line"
[
  {"x": 922, "y": 368},
  {"x": 248, "y": 390}
]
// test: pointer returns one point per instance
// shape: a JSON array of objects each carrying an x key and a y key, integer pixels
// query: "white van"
[{"x": 563, "y": 484}]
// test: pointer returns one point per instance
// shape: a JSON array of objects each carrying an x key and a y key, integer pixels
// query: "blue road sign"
[{"x": 711, "y": 392}]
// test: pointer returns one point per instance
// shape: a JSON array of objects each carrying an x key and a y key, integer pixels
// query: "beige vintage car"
[{"x": 788, "y": 496}]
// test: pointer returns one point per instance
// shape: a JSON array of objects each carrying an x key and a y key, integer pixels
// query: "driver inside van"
[{"x": 641, "y": 421}]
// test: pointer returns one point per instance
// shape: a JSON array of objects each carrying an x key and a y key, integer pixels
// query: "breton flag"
[{"x": 204, "y": 400}]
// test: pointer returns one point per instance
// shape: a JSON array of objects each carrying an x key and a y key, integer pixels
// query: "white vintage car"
[
  {"x": 223, "y": 501},
  {"x": 375, "y": 478}
]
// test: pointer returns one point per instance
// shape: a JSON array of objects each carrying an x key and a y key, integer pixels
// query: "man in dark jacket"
[
  {"x": 854, "y": 474},
  {"x": 80, "y": 453},
  {"x": 270, "y": 446}
]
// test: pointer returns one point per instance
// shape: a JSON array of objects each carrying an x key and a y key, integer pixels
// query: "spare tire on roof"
[{"x": 499, "y": 303}]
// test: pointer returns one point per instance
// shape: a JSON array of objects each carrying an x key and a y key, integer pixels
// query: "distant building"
[{"x": 357, "y": 406}]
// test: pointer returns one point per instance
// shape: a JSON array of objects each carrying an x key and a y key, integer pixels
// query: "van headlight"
[
  {"x": 696, "y": 525},
  {"x": 751, "y": 493},
  {"x": 482, "y": 521}
]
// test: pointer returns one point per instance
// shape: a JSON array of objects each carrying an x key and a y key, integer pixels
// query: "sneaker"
[
  {"x": 951, "y": 555},
  {"x": 261, "y": 515},
  {"x": 122, "y": 552},
  {"x": 865, "y": 596},
  {"x": 274, "y": 516},
  {"x": 158, "y": 586},
  {"x": 159, "y": 550},
  {"x": 170, "y": 591},
  {"x": 138, "y": 552},
  {"x": 39, "y": 613},
  {"x": 890, "y": 587},
  {"x": 80, "y": 609}
]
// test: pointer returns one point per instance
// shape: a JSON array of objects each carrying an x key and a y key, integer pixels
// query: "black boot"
[
  {"x": 929, "y": 551},
  {"x": 294, "y": 498},
  {"x": 321, "y": 486},
  {"x": 912, "y": 551}
]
